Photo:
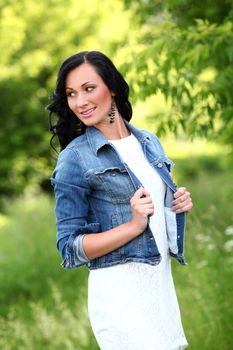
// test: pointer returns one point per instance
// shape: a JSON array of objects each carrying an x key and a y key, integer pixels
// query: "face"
[{"x": 88, "y": 96}]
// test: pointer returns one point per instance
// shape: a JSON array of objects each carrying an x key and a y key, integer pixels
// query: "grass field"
[{"x": 43, "y": 307}]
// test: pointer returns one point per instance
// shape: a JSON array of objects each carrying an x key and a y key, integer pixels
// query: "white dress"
[{"x": 133, "y": 306}]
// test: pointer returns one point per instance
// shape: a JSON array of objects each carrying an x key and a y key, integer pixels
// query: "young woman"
[{"x": 117, "y": 208}]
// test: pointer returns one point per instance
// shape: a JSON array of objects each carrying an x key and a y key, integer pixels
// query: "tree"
[
  {"x": 185, "y": 51},
  {"x": 182, "y": 49},
  {"x": 35, "y": 37}
]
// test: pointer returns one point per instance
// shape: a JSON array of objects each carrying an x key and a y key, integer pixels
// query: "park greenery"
[
  {"x": 45, "y": 307},
  {"x": 177, "y": 56},
  {"x": 180, "y": 52}
]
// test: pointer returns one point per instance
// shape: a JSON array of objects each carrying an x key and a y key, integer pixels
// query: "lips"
[{"x": 88, "y": 112}]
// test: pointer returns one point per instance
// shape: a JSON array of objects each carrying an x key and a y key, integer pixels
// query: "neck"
[{"x": 116, "y": 130}]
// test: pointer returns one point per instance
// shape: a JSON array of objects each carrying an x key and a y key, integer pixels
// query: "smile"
[{"x": 88, "y": 112}]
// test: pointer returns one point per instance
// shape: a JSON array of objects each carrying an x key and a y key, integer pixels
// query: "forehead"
[{"x": 82, "y": 74}]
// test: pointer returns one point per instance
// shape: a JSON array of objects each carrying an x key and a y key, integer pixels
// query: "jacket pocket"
[{"x": 117, "y": 183}]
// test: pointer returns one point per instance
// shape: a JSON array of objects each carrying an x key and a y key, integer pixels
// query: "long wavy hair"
[{"x": 68, "y": 126}]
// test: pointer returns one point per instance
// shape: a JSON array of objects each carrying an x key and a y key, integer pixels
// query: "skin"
[
  {"x": 86, "y": 90},
  {"x": 90, "y": 99}
]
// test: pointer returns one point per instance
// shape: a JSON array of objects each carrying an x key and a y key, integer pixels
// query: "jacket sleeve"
[{"x": 71, "y": 193}]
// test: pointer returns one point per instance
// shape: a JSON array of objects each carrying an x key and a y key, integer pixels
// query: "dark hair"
[{"x": 68, "y": 125}]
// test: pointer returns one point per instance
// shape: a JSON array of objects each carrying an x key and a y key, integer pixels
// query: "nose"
[{"x": 81, "y": 100}]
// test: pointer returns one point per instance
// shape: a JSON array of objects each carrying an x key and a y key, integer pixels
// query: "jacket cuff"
[
  {"x": 80, "y": 254},
  {"x": 70, "y": 261}
]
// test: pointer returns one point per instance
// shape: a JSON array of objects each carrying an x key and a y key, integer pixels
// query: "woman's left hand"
[{"x": 182, "y": 201}]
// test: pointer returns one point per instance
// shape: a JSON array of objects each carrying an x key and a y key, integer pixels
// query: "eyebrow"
[{"x": 87, "y": 82}]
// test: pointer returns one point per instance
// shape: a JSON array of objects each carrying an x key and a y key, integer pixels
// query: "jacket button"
[{"x": 159, "y": 165}]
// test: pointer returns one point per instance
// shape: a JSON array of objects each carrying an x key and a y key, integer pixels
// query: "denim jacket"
[{"x": 93, "y": 188}]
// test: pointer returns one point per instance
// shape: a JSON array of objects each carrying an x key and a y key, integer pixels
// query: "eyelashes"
[
  {"x": 89, "y": 88},
  {"x": 86, "y": 89},
  {"x": 70, "y": 94}
]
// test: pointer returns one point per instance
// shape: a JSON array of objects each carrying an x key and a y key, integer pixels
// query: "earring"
[{"x": 112, "y": 113}]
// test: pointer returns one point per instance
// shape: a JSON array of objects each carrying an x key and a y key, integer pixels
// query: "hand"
[
  {"x": 182, "y": 201},
  {"x": 142, "y": 207}
]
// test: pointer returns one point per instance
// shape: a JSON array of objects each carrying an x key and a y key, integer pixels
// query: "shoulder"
[
  {"x": 151, "y": 135},
  {"x": 68, "y": 164},
  {"x": 76, "y": 142},
  {"x": 154, "y": 139},
  {"x": 72, "y": 151},
  {"x": 143, "y": 133},
  {"x": 160, "y": 150}
]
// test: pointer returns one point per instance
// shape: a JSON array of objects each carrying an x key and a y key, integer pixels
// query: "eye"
[
  {"x": 89, "y": 88},
  {"x": 70, "y": 94}
]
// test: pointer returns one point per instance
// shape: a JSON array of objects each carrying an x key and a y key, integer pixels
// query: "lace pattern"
[{"x": 133, "y": 306}]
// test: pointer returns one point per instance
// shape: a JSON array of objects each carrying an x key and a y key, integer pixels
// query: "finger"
[
  {"x": 182, "y": 198},
  {"x": 148, "y": 212},
  {"x": 182, "y": 201},
  {"x": 179, "y": 192},
  {"x": 186, "y": 206},
  {"x": 141, "y": 192},
  {"x": 141, "y": 208},
  {"x": 185, "y": 209},
  {"x": 182, "y": 204},
  {"x": 145, "y": 200},
  {"x": 145, "y": 192},
  {"x": 148, "y": 207}
]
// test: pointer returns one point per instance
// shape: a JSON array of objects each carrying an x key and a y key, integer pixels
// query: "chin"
[
  {"x": 89, "y": 122},
  {"x": 95, "y": 121}
]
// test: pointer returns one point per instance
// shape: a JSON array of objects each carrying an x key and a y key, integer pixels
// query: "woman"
[{"x": 117, "y": 208}]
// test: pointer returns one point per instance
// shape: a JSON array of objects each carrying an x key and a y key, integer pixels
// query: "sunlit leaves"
[
  {"x": 192, "y": 68},
  {"x": 176, "y": 56},
  {"x": 35, "y": 38},
  {"x": 12, "y": 33}
]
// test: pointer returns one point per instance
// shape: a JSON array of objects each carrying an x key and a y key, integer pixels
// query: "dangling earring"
[{"x": 112, "y": 112}]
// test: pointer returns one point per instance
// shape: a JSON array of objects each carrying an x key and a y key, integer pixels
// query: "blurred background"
[{"x": 177, "y": 57}]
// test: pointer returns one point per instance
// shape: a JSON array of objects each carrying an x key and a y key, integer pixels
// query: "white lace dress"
[{"x": 133, "y": 306}]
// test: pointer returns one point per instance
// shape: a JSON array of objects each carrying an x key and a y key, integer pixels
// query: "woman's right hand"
[
  {"x": 96, "y": 245},
  {"x": 141, "y": 207}
]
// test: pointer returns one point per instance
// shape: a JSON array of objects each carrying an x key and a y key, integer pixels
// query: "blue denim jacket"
[{"x": 93, "y": 188}]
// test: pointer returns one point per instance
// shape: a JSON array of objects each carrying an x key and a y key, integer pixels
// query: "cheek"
[{"x": 104, "y": 99}]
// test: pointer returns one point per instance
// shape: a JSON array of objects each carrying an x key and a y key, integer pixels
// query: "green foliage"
[
  {"x": 191, "y": 169},
  {"x": 205, "y": 288},
  {"x": 56, "y": 329},
  {"x": 43, "y": 306},
  {"x": 185, "y": 51},
  {"x": 185, "y": 11},
  {"x": 180, "y": 50},
  {"x": 44, "y": 34}
]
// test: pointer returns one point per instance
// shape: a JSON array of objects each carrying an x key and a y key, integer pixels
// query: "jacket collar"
[{"x": 97, "y": 140}]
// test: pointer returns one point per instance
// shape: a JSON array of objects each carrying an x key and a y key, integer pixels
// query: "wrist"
[{"x": 134, "y": 229}]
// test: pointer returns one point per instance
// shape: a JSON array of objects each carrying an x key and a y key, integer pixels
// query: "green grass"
[
  {"x": 44, "y": 307},
  {"x": 205, "y": 287},
  {"x": 41, "y": 305}
]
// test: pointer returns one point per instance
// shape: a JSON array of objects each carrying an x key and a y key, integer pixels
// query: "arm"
[
  {"x": 105, "y": 242},
  {"x": 91, "y": 246},
  {"x": 71, "y": 192}
]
